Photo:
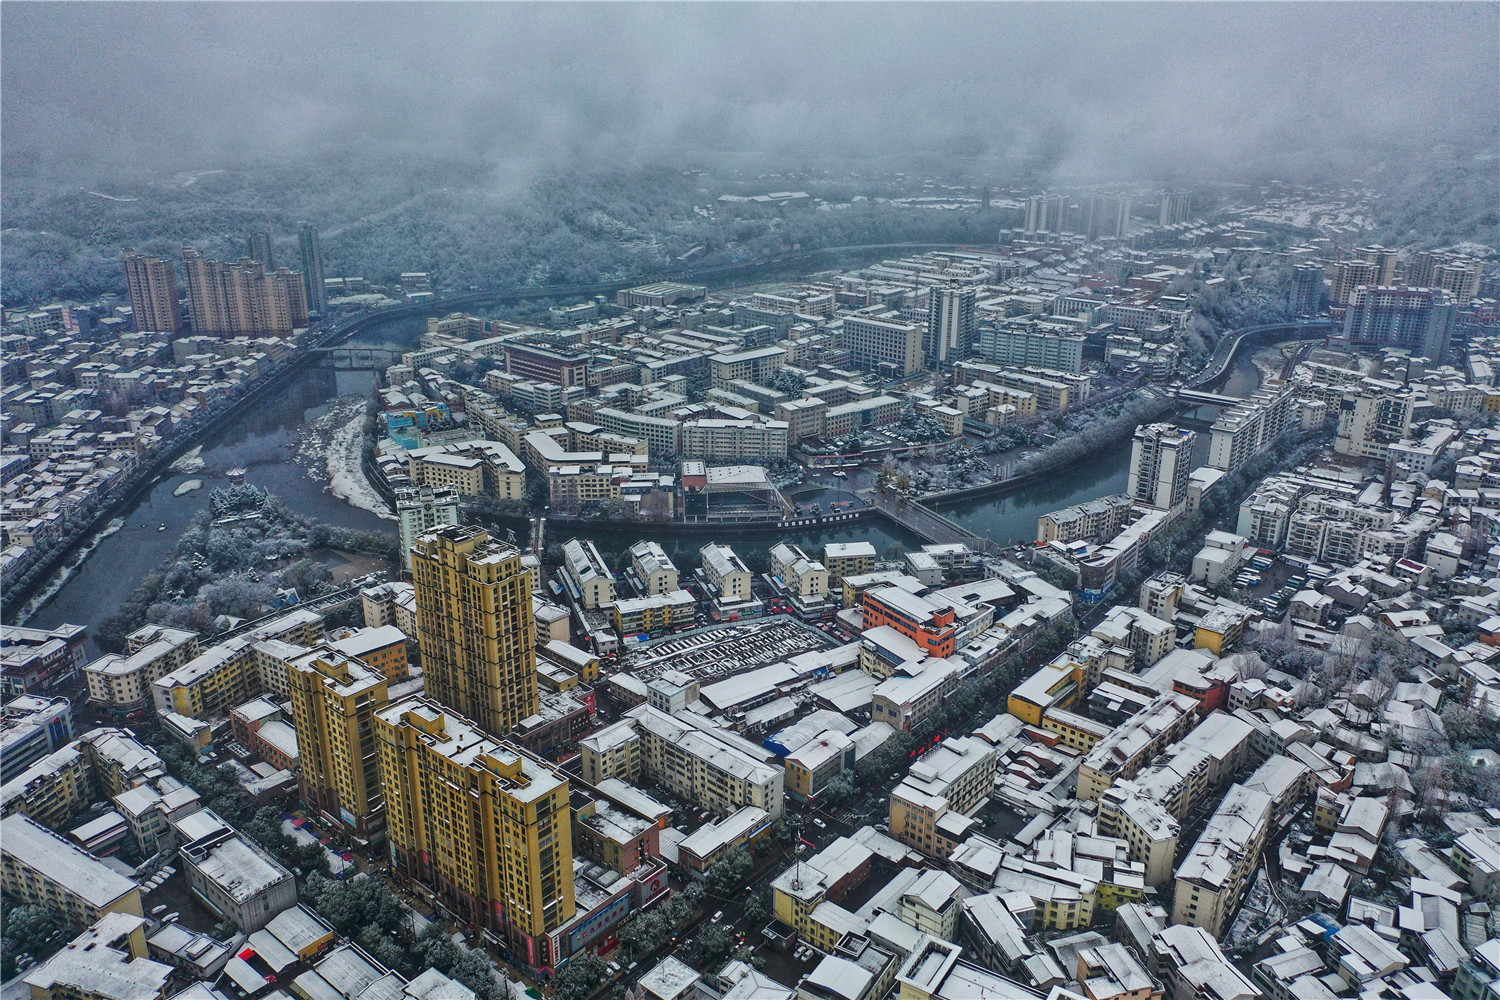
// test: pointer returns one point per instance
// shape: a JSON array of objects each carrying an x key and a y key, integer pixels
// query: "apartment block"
[
  {"x": 1130, "y": 746},
  {"x": 798, "y": 574},
  {"x": 152, "y": 651},
  {"x": 244, "y": 298},
  {"x": 847, "y": 559},
  {"x": 232, "y": 875},
  {"x": 1246, "y": 430},
  {"x": 31, "y": 728},
  {"x": 653, "y": 569},
  {"x": 1372, "y": 418},
  {"x": 1417, "y": 319},
  {"x": 586, "y": 575},
  {"x": 752, "y": 366},
  {"x": 542, "y": 364},
  {"x": 1161, "y": 459},
  {"x": 468, "y": 468},
  {"x": 475, "y": 626},
  {"x": 1020, "y": 343},
  {"x": 929, "y": 624},
  {"x": 689, "y": 756},
  {"x": 1101, "y": 518},
  {"x": 334, "y": 698},
  {"x": 486, "y": 826},
  {"x": 419, "y": 509},
  {"x": 883, "y": 344},
  {"x": 930, "y": 808},
  {"x": 716, "y": 439},
  {"x": 40, "y": 868},
  {"x": 106, "y": 962},
  {"x": 152, "y": 285},
  {"x": 727, "y": 576}
]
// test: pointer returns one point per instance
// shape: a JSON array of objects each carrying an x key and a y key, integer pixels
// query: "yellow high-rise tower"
[
  {"x": 482, "y": 822},
  {"x": 475, "y": 627},
  {"x": 334, "y": 698}
]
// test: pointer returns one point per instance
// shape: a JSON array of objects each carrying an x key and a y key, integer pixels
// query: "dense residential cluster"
[
  {"x": 95, "y": 395},
  {"x": 1229, "y": 731}
]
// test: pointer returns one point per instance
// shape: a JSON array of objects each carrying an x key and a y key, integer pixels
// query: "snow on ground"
[
  {"x": 189, "y": 461},
  {"x": 188, "y": 486},
  {"x": 331, "y": 448},
  {"x": 346, "y": 473}
]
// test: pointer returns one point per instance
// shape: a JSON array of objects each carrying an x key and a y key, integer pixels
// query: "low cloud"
[{"x": 1127, "y": 91}]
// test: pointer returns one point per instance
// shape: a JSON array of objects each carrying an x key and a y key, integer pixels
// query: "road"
[{"x": 1229, "y": 344}]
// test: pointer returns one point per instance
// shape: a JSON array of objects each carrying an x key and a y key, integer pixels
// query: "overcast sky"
[{"x": 1128, "y": 89}]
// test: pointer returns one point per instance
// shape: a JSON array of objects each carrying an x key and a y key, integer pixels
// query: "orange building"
[{"x": 930, "y": 625}]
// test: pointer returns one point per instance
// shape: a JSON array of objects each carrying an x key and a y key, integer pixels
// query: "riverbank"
[{"x": 331, "y": 449}]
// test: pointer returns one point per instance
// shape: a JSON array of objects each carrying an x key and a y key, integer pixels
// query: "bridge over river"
[{"x": 925, "y": 522}]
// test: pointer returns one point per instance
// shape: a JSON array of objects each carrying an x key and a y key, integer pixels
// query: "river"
[{"x": 262, "y": 440}]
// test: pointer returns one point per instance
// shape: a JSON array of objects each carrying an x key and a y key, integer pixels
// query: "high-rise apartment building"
[
  {"x": 1246, "y": 430},
  {"x": 484, "y": 824},
  {"x": 1022, "y": 342},
  {"x": 475, "y": 626},
  {"x": 1044, "y": 213},
  {"x": 1176, "y": 207},
  {"x": 1418, "y": 319},
  {"x": 892, "y": 347},
  {"x": 1349, "y": 275},
  {"x": 312, "y": 266},
  {"x": 1455, "y": 274},
  {"x": 261, "y": 248},
  {"x": 334, "y": 699},
  {"x": 1161, "y": 458},
  {"x": 153, "y": 293},
  {"x": 242, "y": 299},
  {"x": 1102, "y": 217},
  {"x": 1307, "y": 289},
  {"x": 1384, "y": 261},
  {"x": 1372, "y": 418},
  {"x": 950, "y": 323},
  {"x": 420, "y": 509}
]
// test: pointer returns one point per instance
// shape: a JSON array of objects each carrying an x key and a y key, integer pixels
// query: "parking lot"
[
  {"x": 720, "y": 651},
  {"x": 1271, "y": 587}
]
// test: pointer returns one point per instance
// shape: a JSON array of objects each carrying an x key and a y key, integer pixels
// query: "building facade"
[
  {"x": 152, "y": 282},
  {"x": 334, "y": 698},
  {"x": 482, "y": 823},
  {"x": 475, "y": 626}
]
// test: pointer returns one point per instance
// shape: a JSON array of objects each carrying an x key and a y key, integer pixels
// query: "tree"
[
  {"x": 788, "y": 380},
  {"x": 715, "y": 942},
  {"x": 692, "y": 896},
  {"x": 30, "y": 930},
  {"x": 727, "y": 874},
  {"x": 645, "y": 932},
  {"x": 839, "y": 791},
  {"x": 580, "y": 977}
]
